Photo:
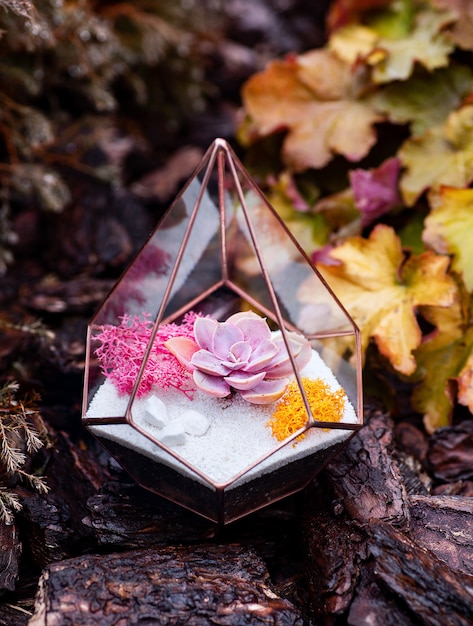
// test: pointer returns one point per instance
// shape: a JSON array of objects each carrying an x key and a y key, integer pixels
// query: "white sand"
[{"x": 237, "y": 436}]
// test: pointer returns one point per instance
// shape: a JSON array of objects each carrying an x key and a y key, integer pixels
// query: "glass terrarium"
[{"x": 222, "y": 372}]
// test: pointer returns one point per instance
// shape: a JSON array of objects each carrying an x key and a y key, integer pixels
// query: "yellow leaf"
[
  {"x": 394, "y": 57},
  {"x": 382, "y": 290},
  {"x": 449, "y": 228},
  {"x": 353, "y": 42},
  {"x": 443, "y": 155},
  {"x": 465, "y": 382},
  {"x": 444, "y": 363},
  {"x": 316, "y": 98}
]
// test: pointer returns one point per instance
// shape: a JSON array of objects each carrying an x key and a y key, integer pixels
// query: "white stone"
[
  {"x": 155, "y": 412},
  {"x": 194, "y": 422},
  {"x": 173, "y": 434}
]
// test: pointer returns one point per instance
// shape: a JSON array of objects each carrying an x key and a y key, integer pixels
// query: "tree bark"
[
  {"x": 366, "y": 478},
  {"x": 434, "y": 592},
  {"x": 10, "y": 552},
  {"x": 221, "y": 585},
  {"x": 127, "y": 515},
  {"x": 444, "y": 525}
]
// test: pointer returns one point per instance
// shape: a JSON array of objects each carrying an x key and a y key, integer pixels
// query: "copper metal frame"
[{"x": 205, "y": 497}]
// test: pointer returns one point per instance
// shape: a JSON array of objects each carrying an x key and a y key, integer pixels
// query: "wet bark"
[
  {"x": 10, "y": 551},
  {"x": 366, "y": 477},
  {"x": 444, "y": 525},
  {"x": 224, "y": 585},
  {"x": 428, "y": 586},
  {"x": 380, "y": 556},
  {"x": 356, "y": 547},
  {"x": 126, "y": 515}
]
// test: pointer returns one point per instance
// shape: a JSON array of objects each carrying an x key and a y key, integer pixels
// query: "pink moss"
[{"x": 122, "y": 349}]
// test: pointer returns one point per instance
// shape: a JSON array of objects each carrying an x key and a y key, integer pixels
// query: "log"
[
  {"x": 208, "y": 584},
  {"x": 15, "y": 596},
  {"x": 10, "y": 552},
  {"x": 435, "y": 594},
  {"x": 411, "y": 440},
  {"x": 410, "y": 452},
  {"x": 457, "y": 488},
  {"x": 450, "y": 453},
  {"x": 335, "y": 551},
  {"x": 362, "y": 483},
  {"x": 46, "y": 524},
  {"x": 375, "y": 606},
  {"x": 444, "y": 525},
  {"x": 126, "y": 515},
  {"x": 366, "y": 478},
  {"x": 51, "y": 524},
  {"x": 15, "y": 614}
]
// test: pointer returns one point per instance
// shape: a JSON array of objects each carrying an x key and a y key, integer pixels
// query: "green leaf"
[
  {"x": 411, "y": 234},
  {"x": 311, "y": 230},
  {"x": 425, "y": 100}
]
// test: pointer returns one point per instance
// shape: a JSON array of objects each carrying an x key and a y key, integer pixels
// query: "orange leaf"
[{"x": 315, "y": 97}]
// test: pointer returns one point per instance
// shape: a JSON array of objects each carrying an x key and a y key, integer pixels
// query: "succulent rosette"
[{"x": 240, "y": 354}]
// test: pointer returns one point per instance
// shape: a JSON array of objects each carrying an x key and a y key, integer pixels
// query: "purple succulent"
[{"x": 241, "y": 354}]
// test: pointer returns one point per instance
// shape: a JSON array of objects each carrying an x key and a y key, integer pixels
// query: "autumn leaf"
[
  {"x": 443, "y": 155},
  {"x": 353, "y": 42},
  {"x": 342, "y": 12},
  {"x": 465, "y": 377},
  {"x": 317, "y": 225},
  {"x": 461, "y": 31},
  {"x": 449, "y": 228},
  {"x": 392, "y": 48},
  {"x": 445, "y": 363},
  {"x": 310, "y": 229},
  {"x": 425, "y": 100},
  {"x": 317, "y": 99},
  {"x": 376, "y": 191},
  {"x": 341, "y": 215},
  {"x": 382, "y": 289}
]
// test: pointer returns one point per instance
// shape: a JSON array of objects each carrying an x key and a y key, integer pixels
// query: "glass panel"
[
  {"x": 183, "y": 247},
  {"x": 261, "y": 242}
]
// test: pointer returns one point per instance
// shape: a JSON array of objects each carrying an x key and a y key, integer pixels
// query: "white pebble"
[
  {"x": 194, "y": 422},
  {"x": 173, "y": 434},
  {"x": 155, "y": 412}
]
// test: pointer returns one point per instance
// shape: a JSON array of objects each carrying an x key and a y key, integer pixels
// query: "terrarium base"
[{"x": 218, "y": 504}]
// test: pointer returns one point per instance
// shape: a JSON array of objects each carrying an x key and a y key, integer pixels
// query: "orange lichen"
[{"x": 290, "y": 414}]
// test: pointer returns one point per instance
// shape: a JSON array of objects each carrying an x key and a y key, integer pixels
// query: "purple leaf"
[{"x": 376, "y": 191}]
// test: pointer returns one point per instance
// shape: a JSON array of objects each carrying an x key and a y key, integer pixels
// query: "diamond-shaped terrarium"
[{"x": 222, "y": 372}]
